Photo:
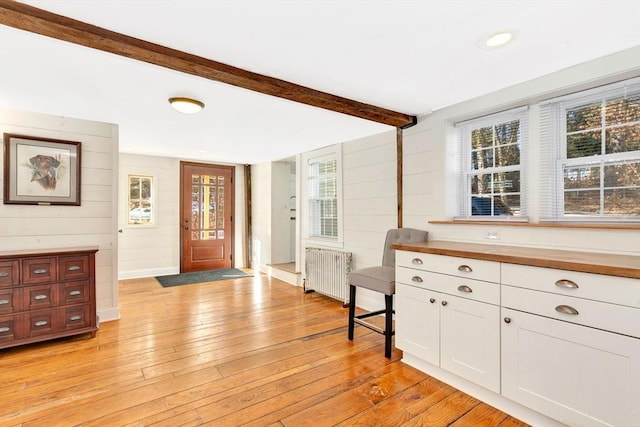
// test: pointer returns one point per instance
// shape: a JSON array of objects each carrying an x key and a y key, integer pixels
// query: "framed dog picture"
[{"x": 41, "y": 171}]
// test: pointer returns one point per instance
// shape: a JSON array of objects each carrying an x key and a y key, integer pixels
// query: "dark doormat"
[{"x": 200, "y": 277}]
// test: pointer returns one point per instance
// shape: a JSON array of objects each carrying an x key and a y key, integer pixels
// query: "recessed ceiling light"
[
  {"x": 497, "y": 39},
  {"x": 186, "y": 105}
]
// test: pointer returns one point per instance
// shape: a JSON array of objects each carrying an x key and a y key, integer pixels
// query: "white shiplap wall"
[
  {"x": 146, "y": 251},
  {"x": 428, "y": 147},
  {"x": 28, "y": 227},
  {"x": 370, "y": 203},
  {"x": 369, "y": 171}
]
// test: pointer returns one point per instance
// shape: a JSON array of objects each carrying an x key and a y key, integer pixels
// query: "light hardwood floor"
[{"x": 251, "y": 351}]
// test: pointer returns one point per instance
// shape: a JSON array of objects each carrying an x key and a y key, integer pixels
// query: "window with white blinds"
[
  {"x": 492, "y": 158},
  {"x": 322, "y": 176},
  {"x": 590, "y": 148}
]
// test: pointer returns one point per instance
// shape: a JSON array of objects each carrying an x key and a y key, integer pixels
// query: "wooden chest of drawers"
[{"x": 47, "y": 295}]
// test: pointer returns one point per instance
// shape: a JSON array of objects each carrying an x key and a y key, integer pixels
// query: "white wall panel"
[
  {"x": 428, "y": 148},
  {"x": 155, "y": 250},
  {"x": 261, "y": 202},
  {"x": 93, "y": 223}
]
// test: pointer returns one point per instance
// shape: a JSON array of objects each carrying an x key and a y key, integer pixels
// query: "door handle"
[{"x": 186, "y": 227}]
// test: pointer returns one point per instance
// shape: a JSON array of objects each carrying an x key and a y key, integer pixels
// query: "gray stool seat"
[{"x": 380, "y": 279}]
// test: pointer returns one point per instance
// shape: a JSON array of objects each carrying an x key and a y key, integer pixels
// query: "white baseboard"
[
  {"x": 510, "y": 407},
  {"x": 286, "y": 276},
  {"x": 136, "y": 274},
  {"x": 109, "y": 314}
]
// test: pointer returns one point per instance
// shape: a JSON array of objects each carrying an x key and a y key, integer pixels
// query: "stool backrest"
[{"x": 400, "y": 235}]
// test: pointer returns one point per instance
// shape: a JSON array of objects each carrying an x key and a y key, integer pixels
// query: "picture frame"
[{"x": 41, "y": 171}]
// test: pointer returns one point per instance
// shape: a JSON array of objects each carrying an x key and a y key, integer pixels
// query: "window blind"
[
  {"x": 491, "y": 154},
  {"x": 590, "y": 155}
]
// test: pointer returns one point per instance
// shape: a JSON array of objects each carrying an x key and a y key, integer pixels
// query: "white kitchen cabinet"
[
  {"x": 418, "y": 307},
  {"x": 570, "y": 346},
  {"x": 470, "y": 340},
  {"x": 551, "y": 337},
  {"x": 577, "y": 375},
  {"x": 445, "y": 319}
]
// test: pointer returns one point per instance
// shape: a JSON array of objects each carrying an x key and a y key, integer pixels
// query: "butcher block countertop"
[{"x": 587, "y": 262}]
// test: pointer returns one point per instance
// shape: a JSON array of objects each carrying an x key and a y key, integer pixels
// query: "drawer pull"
[
  {"x": 567, "y": 309},
  {"x": 465, "y": 268},
  {"x": 432, "y": 300},
  {"x": 465, "y": 288},
  {"x": 40, "y": 297},
  {"x": 74, "y": 268},
  {"x": 74, "y": 293},
  {"x": 417, "y": 261},
  {"x": 417, "y": 279},
  {"x": 75, "y": 318},
  {"x": 4, "y": 301},
  {"x": 39, "y": 271},
  {"x": 563, "y": 283},
  {"x": 444, "y": 303},
  {"x": 4, "y": 329},
  {"x": 3, "y": 274},
  {"x": 41, "y": 323}
]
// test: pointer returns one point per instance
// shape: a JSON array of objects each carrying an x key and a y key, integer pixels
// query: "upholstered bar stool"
[{"x": 381, "y": 279}]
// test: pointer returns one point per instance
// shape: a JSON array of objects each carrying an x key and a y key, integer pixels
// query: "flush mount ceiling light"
[
  {"x": 186, "y": 105},
  {"x": 497, "y": 39}
]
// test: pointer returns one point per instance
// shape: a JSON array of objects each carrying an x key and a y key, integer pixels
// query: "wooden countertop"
[{"x": 588, "y": 262}]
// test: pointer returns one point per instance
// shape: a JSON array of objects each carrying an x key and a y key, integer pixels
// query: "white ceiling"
[{"x": 409, "y": 56}]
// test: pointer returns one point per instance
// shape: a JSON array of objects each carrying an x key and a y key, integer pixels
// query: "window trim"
[
  {"x": 153, "y": 222},
  {"x": 462, "y": 209},
  {"x": 330, "y": 152},
  {"x": 553, "y": 157}
]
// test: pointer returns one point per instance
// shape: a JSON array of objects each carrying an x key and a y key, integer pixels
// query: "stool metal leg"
[
  {"x": 352, "y": 310},
  {"x": 388, "y": 329}
]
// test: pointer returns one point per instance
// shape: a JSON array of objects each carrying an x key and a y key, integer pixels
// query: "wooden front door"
[{"x": 206, "y": 219}]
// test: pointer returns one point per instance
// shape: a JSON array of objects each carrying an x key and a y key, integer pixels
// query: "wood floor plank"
[
  {"x": 253, "y": 351},
  {"x": 444, "y": 412},
  {"x": 480, "y": 416}
]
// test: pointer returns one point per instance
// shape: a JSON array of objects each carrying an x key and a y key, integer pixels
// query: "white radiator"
[{"x": 327, "y": 272}]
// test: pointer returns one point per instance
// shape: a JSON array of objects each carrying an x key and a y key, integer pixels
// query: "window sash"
[
  {"x": 554, "y": 154},
  {"x": 323, "y": 197},
  {"x": 140, "y": 193},
  {"x": 468, "y": 200}
]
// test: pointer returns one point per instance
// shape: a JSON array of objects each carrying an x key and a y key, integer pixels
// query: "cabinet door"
[
  {"x": 572, "y": 373},
  {"x": 418, "y": 322},
  {"x": 470, "y": 340}
]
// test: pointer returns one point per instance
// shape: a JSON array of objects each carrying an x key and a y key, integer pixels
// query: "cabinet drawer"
[
  {"x": 74, "y": 317},
  {"x": 73, "y": 293},
  {"x": 40, "y": 322},
  {"x": 463, "y": 287},
  {"x": 39, "y": 297},
  {"x": 7, "y": 329},
  {"x": 9, "y": 300},
  {"x": 9, "y": 273},
  {"x": 38, "y": 270},
  {"x": 73, "y": 267},
  {"x": 605, "y": 316},
  {"x": 487, "y": 271},
  {"x": 616, "y": 290}
]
